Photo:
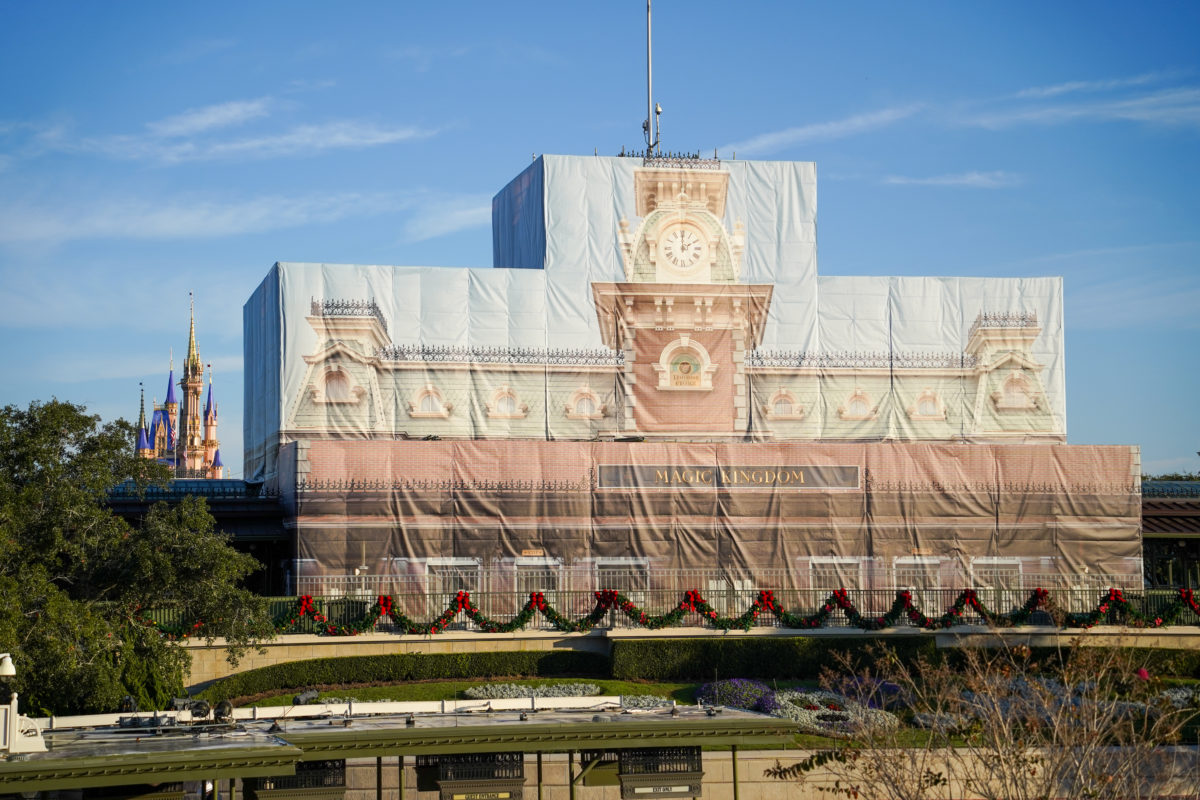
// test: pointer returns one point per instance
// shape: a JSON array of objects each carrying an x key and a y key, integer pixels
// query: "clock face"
[{"x": 683, "y": 248}]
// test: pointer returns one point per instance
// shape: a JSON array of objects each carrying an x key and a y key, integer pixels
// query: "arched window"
[
  {"x": 429, "y": 403},
  {"x": 927, "y": 407},
  {"x": 858, "y": 407},
  {"x": 584, "y": 404},
  {"x": 337, "y": 386},
  {"x": 1015, "y": 394},
  {"x": 783, "y": 405},
  {"x": 505, "y": 405}
]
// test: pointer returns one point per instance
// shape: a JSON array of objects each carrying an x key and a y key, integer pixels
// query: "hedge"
[
  {"x": 800, "y": 657},
  {"x": 405, "y": 667}
]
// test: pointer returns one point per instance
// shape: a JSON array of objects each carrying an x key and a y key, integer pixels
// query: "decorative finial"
[{"x": 142, "y": 407}]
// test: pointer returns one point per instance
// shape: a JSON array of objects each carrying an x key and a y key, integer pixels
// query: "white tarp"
[{"x": 555, "y": 234}]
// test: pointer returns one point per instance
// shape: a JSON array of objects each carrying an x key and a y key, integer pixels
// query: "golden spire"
[
  {"x": 142, "y": 409},
  {"x": 193, "y": 356}
]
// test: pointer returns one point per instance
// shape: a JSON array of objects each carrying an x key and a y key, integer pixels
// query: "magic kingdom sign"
[{"x": 798, "y": 477}]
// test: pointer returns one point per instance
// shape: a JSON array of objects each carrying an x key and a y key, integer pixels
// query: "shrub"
[
  {"x": 404, "y": 667},
  {"x": 796, "y": 657},
  {"x": 736, "y": 693}
]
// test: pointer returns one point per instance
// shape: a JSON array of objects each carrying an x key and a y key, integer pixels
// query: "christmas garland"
[{"x": 1112, "y": 604}]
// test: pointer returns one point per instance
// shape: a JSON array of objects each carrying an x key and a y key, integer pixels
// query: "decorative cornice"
[
  {"x": 501, "y": 355},
  {"x": 1004, "y": 319},
  {"x": 348, "y": 308},
  {"x": 854, "y": 359}
]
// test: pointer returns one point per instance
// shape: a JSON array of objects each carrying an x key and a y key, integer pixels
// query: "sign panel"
[{"x": 760, "y": 478}]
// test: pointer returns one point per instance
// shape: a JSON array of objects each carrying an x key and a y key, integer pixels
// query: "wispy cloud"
[
  {"x": 1179, "y": 106},
  {"x": 138, "y": 219},
  {"x": 996, "y": 179},
  {"x": 1104, "y": 85},
  {"x": 448, "y": 216},
  {"x": 300, "y": 140},
  {"x": 221, "y": 115},
  {"x": 200, "y": 134},
  {"x": 822, "y": 131}
]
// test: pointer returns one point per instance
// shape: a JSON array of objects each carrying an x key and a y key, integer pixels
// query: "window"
[
  {"x": 584, "y": 404},
  {"x": 505, "y": 405},
  {"x": 1016, "y": 395},
  {"x": 428, "y": 403},
  {"x": 858, "y": 407},
  {"x": 783, "y": 405},
  {"x": 996, "y": 573},
  {"x": 337, "y": 386},
  {"x": 928, "y": 407},
  {"x": 835, "y": 572}
]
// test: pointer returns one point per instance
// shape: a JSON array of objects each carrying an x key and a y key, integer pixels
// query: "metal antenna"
[{"x": 652, "y": 111}]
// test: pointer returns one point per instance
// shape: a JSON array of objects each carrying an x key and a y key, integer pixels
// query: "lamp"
[{"x": 21, "y": 735}]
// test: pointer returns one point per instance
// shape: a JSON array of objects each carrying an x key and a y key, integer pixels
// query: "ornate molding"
[{"x": 458, "y": 354}]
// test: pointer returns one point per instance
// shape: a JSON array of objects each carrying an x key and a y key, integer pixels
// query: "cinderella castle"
[{"x": 183, "y": 437}]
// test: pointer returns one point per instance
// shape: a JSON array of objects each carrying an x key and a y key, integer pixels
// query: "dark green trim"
[
  {"x": 532, "y": 737},
  {"x": 46, "y": 774}
]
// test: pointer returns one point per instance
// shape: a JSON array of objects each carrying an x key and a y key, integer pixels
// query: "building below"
[
  {"x": 653, "y": 387},
  {"x": 183, "y": 436}
]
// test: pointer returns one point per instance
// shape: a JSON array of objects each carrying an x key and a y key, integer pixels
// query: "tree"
[
  {"x": 75, "y": 579},
  {"x": 1002, "y": 724}
]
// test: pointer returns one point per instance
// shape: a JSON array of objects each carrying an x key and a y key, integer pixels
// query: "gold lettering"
[
  {"x": 660, "y": 476},
  {"x": 706, "y": 476},
  {"x": 798, "y": 474}
]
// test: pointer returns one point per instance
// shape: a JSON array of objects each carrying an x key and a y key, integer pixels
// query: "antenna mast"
[{"x": 652, "y": 111}]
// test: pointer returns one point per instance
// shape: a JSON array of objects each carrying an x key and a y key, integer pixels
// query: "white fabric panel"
[{"x": 853, "y": 314}]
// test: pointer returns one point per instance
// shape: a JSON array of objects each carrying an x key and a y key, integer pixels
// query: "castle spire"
[
  {"x": 142, "y": 408},
  {"x": 208, "y": 405},
  {"x": 171, "y": 402},
  {"x": 142, "y": 446},
  {"x": 192, "y": 364}
]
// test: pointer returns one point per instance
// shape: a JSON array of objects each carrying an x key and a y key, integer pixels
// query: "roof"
[{"x": 269, "y": 741}]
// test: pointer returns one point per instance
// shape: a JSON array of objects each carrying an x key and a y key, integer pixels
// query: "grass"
[{"x": 683, "y": 693}]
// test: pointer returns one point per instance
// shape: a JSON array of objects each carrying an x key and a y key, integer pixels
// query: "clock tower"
[{"x": 682, "y": 318}]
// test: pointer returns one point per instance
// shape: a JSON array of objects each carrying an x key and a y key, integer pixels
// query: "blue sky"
[{"x": 147, "y": 149}]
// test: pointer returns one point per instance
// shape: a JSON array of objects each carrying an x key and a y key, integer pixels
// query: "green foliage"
[
  {"x": 74, "y": 576},
  {"x": 774, "y": 657},
  {"x": 405, "y": 667}
]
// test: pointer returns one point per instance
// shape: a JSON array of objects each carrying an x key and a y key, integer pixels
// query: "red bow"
[
  {"x": 766, "y": 598},
  {"x": 306, "y": 605},
  {"x": 462, "y": 601},
  {"x": 385, "y": 605},
  {"x": 537, "y": 600}
]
